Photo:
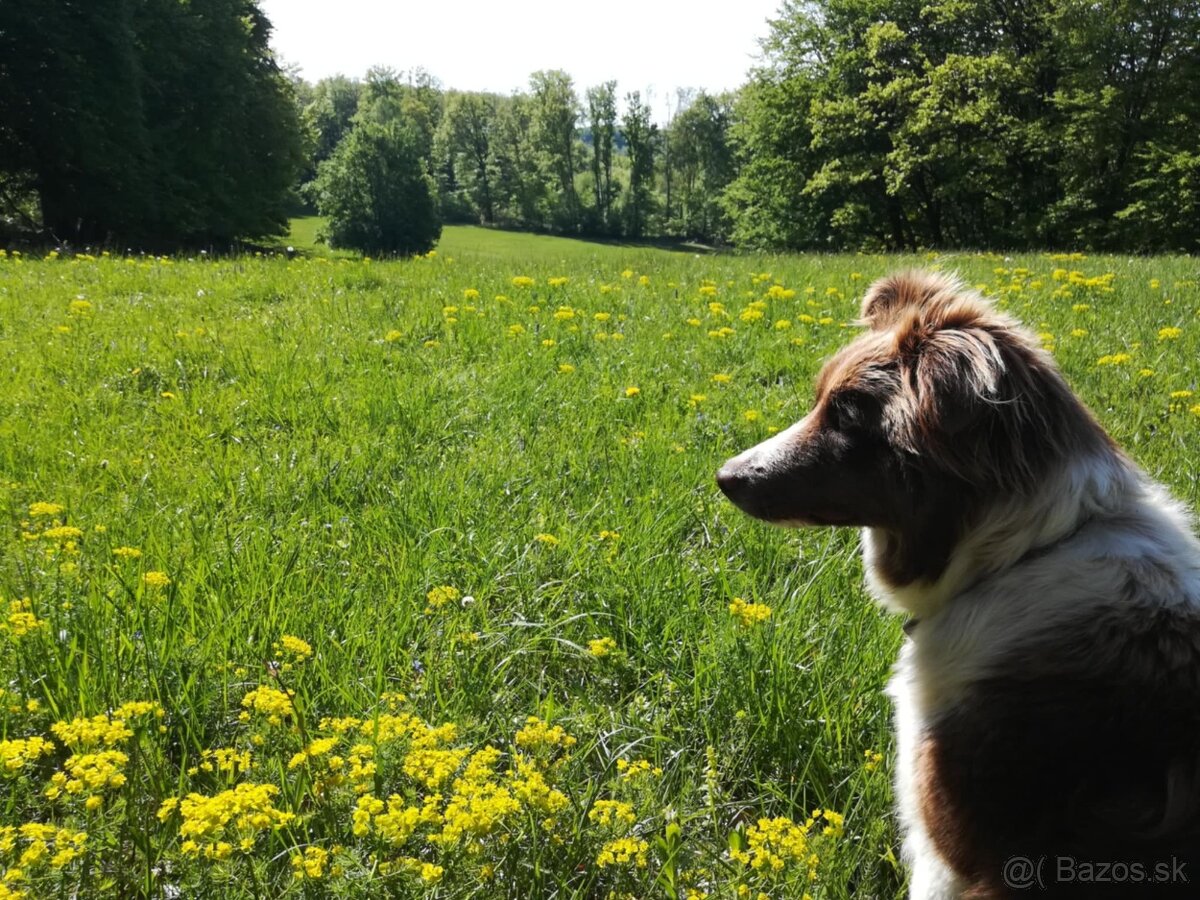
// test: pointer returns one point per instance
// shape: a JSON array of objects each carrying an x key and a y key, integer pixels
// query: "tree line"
[
  {"x": 544, "y": 159},
  {"x": 891, "y": 124}
]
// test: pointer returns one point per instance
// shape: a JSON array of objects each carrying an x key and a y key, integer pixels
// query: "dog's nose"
[{"x": 732, "y": 480}]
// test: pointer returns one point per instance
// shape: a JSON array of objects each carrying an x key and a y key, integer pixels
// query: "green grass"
[
  {"x": 309, "y": 447},
  {"x": 490, "y": 245}
]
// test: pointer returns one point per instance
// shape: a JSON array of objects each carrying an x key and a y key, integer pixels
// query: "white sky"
[{"x": 657, "y": 45}]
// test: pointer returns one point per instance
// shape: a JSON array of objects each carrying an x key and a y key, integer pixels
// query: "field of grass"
[{"x": 332, "y": 577}]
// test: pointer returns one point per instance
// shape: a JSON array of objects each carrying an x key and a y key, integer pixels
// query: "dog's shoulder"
[{"x": 1059, "y": 703}]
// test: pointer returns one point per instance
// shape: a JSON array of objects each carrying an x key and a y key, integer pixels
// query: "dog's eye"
[{"x": 851, "y": 411}]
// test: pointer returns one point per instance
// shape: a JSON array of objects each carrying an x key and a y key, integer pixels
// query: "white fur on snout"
[{"x": 774, "y": 455}]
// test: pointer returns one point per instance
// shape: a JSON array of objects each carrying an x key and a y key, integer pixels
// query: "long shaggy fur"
[{"x": 1048, "y": 693}]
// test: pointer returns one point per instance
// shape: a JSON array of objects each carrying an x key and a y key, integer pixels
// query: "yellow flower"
[
  {"x": 749, "y": 614},
  {"x": 1169, "y": 333},
  {"x": 565, "y": 368},
  {"x": 470, "y": 294},
  {"x": 156, "y": 579},
  {"x": 14, "y": 754},
  {"x": 442, "y": 596},
  {"x": 62, "y": 533},
  {"x": 607, "y": 813},
  {"x": 127, "y": 552},
  {"x": 392, "y": 336},
  {"x": 20, "y": 619},
  {"x": 632, "y": 391},
  {"x": 311, "y": 865},
  {"x": 241, "y": 814},
  {"x": 1114, "y": 359},
  {"x": 722, "y": 378},
  {"x": 268, "y": 701},
  {"x": 44, "y": 510},
  {"x": 555, "y": 282},
  {"x": 622, "y": 851},
  {"x": 293, "y": 646},
  {"x": 538, "y": 735},
  {"x": 522, "y": 281},
  {"x": 548, "y": 539},
  {"x": 872, "y": 760},
  {"x": 601, "y": 647}
]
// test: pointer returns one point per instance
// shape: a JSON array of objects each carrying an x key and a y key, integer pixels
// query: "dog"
[{"x": 1047, "y": 693}]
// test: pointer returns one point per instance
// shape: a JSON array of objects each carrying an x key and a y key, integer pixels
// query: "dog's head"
[{"x": 941, "y": 403}]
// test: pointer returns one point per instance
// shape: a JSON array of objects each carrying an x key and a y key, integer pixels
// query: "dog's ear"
[
  {"x": 889, "y": 297},
  {"x": 957, "y": 376}
]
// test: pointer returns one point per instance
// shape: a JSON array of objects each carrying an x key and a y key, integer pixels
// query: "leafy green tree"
[
  {"x": 1129, "y": 98},
  {"x": 555, "y": 116},
  {"x": 703, "y": 161},
  {"x": 376, "y": 194},
  {"x": 641, "y": 137},
  {"x": 900, "y": 123},
  {"x": 602, "y": 119},
  {"x": 71, "y": 123},
  {"x": 768, "y": 203},
  {"x": 521, "y": 192},
  {"x": 330, "y": 114},
  {"x": 148, "y": 121},
  {"x": 465, "y": 138}
]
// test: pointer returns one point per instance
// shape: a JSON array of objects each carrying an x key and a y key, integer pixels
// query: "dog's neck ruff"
[{"x": 1012, "y": 530}]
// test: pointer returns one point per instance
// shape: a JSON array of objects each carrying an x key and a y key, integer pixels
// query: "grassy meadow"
[{"x": 348, "y": 578}]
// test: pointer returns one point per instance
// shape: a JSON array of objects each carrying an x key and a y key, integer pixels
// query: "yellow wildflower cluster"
[
  {"x": 26, "y": 849},
  {"x": 749, "y": 614},
  {"x": 530, "y": 786},
  {"x": 601, "y": 647},
  {"x": 442, "y": 596},
  {"x": 223, "y": 761},
  {"x": 267, "y": 701},
  {"x": 639, "y": 768},
  {"x": 612, "y": 813},
  {"x": 293, "y": 649},
  {"x": 212, "y": 826},
  {"x": 20, "y": 619},
  {"x": 43, "y": 510},
  {"x": 83, "y": 732},
  {"x": 16, "y": 754},
  {"x": 538, "y": 736},
  {"x": 624, "y": 851},
  {"x": 314, "y": 750},
  {"x": 156, "y": 579},
  {"x": 312, "y": 864},
  {"x": 89, "y": 774}
]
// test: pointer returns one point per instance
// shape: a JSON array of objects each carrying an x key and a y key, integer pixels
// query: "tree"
[
  {"x": 520, "y": 191},
  {"x": 602, "y": 118},
  {"x": 465, "y": 137},
  {"x": 555, "y": 116},
  {"x": 330, "y": 114},
  {"x": 148, "y": 121},
  {"x": 641, "y": 135},
  {"x": 973, "y": 123},
  {"x": 376, "y": 193},
  {"x": 703, "y": 160}
]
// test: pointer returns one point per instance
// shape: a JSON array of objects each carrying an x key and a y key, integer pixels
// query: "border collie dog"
[{"x": 1047, "y": 696}]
